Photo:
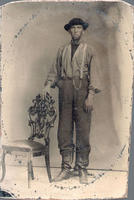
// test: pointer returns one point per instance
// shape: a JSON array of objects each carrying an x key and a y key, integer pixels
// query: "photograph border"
[{"x": 131, "y": 160}]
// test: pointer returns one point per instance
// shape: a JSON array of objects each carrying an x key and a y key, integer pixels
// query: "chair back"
[{"x": 42, "y": 115}]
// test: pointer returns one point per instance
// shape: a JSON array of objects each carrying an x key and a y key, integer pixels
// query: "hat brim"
[{"x": 68, "y": 26}]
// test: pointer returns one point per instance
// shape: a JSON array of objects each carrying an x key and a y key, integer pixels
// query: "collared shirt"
[{"x": 74, "y": 47}]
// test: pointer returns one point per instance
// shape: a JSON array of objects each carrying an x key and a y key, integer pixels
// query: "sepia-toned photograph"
[{"x": 66, "y": 101}]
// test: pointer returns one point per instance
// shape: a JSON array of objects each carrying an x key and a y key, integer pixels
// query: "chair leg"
[
  {"x": 29, "y": 168},
  {"x": 32, "y": 173},
  {"x": 3, "y": 165},
  {"x": 47, "y": 159}
]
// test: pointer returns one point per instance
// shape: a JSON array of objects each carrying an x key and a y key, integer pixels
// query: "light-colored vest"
[{"x": 75, "y": 66}]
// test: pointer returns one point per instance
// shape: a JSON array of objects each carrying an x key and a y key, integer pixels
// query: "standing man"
[{"x": 71, "y": 73}]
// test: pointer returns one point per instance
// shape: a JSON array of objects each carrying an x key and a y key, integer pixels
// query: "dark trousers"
[{"x": 71, "y": 111}]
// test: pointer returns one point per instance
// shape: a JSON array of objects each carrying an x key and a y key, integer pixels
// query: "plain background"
[{"x": 130, "y": 172}]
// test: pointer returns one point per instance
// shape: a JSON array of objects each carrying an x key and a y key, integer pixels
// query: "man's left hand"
[{"x": 89, "y": 103}]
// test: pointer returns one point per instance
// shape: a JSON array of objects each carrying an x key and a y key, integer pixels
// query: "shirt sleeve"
[
  {"x": 94, "y": 68},
  {"x": 54, "y": 72}
]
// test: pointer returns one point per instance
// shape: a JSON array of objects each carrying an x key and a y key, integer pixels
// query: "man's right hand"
[{"x": 47, "y": 89}]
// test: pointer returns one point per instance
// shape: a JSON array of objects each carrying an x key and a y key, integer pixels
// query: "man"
[{"x": 71, "y": 73}]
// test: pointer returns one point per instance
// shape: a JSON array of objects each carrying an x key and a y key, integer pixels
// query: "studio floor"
[{"x": 102, "y": 184}]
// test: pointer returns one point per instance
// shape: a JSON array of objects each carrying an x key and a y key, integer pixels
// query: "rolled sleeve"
[
  {"x": 94, "y": 83},
  {"x": 54, "y": 72}
]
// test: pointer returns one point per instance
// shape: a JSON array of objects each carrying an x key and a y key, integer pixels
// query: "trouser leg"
[
  {"x": 82, "y": 138},
  {"x": 65, "y": 127},
  {"x": 65, "y": 130},
  {"x": 83, "y": 123}
]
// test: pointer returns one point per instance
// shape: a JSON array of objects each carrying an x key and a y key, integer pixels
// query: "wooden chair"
[{"x": 42, "y": 115}]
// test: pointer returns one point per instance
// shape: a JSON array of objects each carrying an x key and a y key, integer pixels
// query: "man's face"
[{"x": 76, "y": 31}]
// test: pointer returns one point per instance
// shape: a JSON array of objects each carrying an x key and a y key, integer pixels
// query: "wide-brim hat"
[{"x": 76, "y": 21}]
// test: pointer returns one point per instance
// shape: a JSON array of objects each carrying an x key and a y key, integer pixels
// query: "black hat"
[{"x": 76, "y": 21}]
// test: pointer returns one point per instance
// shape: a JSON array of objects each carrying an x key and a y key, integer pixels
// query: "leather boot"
[
  {"x": 65, "y": 173},
  {"x": 82, "y": 160},
  {"x": 83, "y": 176}
]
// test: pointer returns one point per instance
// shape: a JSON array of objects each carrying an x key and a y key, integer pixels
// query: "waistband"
[{"x": 85, "y": 77}]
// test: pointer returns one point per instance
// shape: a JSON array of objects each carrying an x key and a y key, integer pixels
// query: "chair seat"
[{"x": 24, "y": 145}]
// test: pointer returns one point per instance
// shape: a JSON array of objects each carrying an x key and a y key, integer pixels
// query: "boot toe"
[
  {"x": 63, "y": 175},
  {"x": 83, "y": 177}
]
